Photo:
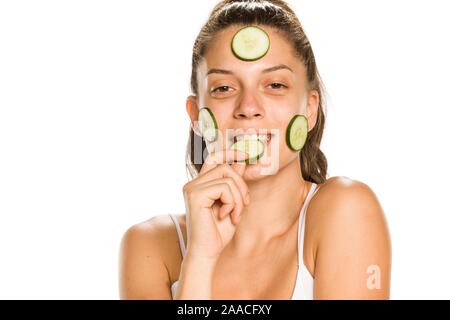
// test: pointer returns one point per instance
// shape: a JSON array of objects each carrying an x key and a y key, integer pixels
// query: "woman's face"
[{"x": 255, "y": 96}]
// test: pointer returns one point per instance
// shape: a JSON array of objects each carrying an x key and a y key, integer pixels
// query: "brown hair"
[{"x": 279, "y": 15}]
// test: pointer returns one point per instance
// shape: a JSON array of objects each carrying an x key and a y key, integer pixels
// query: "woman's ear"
[
  {"x": 192, "y": 110},
  {"x": 312, "y": 107}
]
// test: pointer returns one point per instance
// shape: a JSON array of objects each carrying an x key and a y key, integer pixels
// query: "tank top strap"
[
  {"x": 301, "y": 229},
  {"x": 180, "y": 235}
]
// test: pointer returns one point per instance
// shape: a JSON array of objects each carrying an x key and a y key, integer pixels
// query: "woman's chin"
[{"x": 260, "y": 169}]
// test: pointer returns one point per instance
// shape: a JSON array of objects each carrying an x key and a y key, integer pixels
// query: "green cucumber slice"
[
  {"x": 253, "y": 146},
  {"x": 250, "y": 43},
  {"x": 297, "y": 132},
  {"x": 207, "y": 125}
]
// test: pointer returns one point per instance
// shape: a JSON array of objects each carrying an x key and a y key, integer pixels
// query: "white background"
[{"x": 88, "y": 90}]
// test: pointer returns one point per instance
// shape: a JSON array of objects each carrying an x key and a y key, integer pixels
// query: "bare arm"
[
  {"x": 353, "y": 257},
  {"x": 142, "y": 272}
]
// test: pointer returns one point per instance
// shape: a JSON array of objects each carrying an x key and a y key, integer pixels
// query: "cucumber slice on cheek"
[
  {"x": 254, "y": 147},
  {"x": 207, "y": 125},
  {"x": 250, "y": 43},
  {"x": 297, "y": 132}
]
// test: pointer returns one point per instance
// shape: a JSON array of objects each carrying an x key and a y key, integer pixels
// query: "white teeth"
[{"x": 262, "y": 137}]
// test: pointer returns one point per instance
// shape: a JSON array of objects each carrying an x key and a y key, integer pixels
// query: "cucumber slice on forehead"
[
  {"x": 297, "y": 132},
  {"x": 207, "y": 125},
  {"x": 250, "y": 43},
  {"x": 253, "y": 146}
]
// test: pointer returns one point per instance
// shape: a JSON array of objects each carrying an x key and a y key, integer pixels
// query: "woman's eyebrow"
[
  {"x": 278, "y": 67},
  {"x": 271, "y": 69}
]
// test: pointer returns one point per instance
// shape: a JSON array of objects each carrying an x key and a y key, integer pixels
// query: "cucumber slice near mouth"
[
  {"x": 207, "y": 125},
  {"x": 254, "y": 147},
  {"x": 297, "y": 132},
  {"x": 250, "y": 43}
]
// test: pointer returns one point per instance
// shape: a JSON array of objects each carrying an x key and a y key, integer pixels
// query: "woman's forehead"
[{"x": 219, "y": 54}]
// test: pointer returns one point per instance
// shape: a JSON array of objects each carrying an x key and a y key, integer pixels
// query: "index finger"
[{"x": 225, "y": 171}]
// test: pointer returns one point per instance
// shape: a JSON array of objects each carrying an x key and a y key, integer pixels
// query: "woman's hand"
[{"x": 214, "y": 202}]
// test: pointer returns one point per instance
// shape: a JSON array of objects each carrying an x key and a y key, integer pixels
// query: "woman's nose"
[{"x": 249, "y": 106}]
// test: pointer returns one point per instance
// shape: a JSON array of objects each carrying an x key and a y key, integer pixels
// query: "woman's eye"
[
  {"x": 277, "y": 85},
  {"x": 221, "y": 89}
]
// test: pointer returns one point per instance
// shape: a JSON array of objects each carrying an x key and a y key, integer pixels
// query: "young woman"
[{"x": 246, "y": 234}]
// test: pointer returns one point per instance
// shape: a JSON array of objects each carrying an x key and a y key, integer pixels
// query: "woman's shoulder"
[
  {"x": 158, "y": 235},
  {"x": 160, "y": 230},
  {"x": 341, "y": 190},
  {"x": 157, "y": 228},
  {"x": 341, "y": 206},
  {"x": 348, "y": 224},
  {"x": 146, "y": 259}
]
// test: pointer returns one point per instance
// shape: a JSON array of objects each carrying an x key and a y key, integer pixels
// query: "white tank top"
[{"x": 304, "y": 285}]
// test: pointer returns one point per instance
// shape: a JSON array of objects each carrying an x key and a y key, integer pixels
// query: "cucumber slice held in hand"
[
  {"x": 297, "y": 132},
  {"x": 207, "y": 125},
  {"x": 253, "y": 146},
  {"x": 250, "y": 43}
]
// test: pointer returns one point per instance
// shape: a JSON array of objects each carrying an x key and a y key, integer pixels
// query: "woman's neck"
[{"x": 275, "y": 204}]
